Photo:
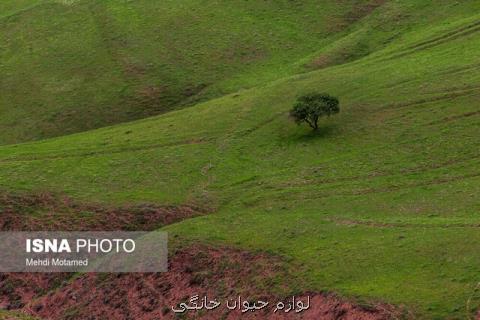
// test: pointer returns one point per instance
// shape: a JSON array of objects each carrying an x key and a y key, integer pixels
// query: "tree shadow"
[{"x": 308, "y": 135}]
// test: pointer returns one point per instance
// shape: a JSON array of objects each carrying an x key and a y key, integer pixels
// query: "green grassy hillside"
[
  {"x": 381, "y": 203},
  {"x": 69, "y": 66},
  {"x": 74, "y": 65}
]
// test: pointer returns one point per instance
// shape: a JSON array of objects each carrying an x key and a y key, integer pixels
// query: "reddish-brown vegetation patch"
[
  {"x": 18, "y": 289},
  {"x": 36, "y": 212},
  {"x": 48, "y": 212},
  {"x": 217, "y": 273}
]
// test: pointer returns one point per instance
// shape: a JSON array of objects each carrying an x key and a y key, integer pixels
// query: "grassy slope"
[
  {"x": 93, "y": 63},
  {"x": 381, "y": 203}
]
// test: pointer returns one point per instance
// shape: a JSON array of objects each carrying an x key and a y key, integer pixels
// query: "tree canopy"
[{"x": 311, "y": 107}]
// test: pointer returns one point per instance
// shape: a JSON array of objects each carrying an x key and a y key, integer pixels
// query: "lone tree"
[{"x": 309, "y": 108}]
